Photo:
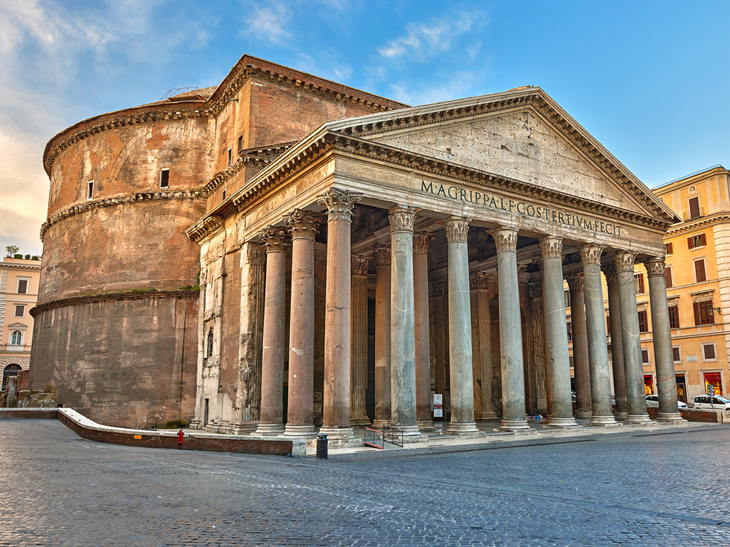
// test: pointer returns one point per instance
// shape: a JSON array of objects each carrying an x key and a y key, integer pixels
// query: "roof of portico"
[{"x": 354, "y": 135}]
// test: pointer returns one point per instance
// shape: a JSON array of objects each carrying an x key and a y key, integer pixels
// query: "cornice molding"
[
  {"x": 113, "y": 202},
  {"x": 28, "y": 267},
  {"x": 113, "y": 297},
  {"x": 694, "y": 224},
  {"x": 205, "y": 227}
]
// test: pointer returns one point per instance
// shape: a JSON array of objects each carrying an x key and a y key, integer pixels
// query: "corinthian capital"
[
  {"x": 505, "y": 238},
  {"x": 339, "y": 203},
  {"x": 382, "y": 256},
  {"x": 575, "y": 282},
  {"x": 655, "y": 266},
  {"x": 624, "y": 261},
  {"x": 591, "y": 254},
  {"x": 551, "y": 247},
  {"x": 254, "y": 254},
  {"x": 275, "y": 239},
  {"x": 401, "y": 218},
  {"x": 420, "y": 242},
  {"x": 303, "y": 224},
  {"x": 457, "y": 229},
  {"x": 360, "y": 265}
]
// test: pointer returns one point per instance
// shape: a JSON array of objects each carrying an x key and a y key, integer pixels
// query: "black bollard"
[{"x": 322, "y": 446}]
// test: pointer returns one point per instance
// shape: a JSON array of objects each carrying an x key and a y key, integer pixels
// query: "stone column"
[
  {"x": 556, "y": 335},
  {"x": 460, "y": 348},
  {"x": 248, "y": 397},
  {"x": 510, "y": 332},
  {"x": 402, "y": 323},
  {"x": 337, "y": 345},
  {"x": 382, "y": 337},
  {"x": 274, "y": 342},
  {"x": 423, "y": 341},
  {"x": 482, "y": 345},
  {"x": 437, "y": 289},
  {"x": 662, "y": 335},
  {"x": 581, "y": 368},
  {"x": 359, "y": 363},
  {"x": 617, "y": 349},
  {"x": 300, "y": 422},
  {"x": 636, "y": 399},
  {"x": 597, "y": 341}
]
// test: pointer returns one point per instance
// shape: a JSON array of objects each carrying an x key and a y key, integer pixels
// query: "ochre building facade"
[{"x": 283, "y": 254}]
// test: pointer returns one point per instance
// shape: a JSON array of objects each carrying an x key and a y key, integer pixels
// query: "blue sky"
[{"x": 649, "y": 79}]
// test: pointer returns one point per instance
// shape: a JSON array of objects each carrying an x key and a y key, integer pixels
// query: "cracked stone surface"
[{"x": 635, "y": 488}]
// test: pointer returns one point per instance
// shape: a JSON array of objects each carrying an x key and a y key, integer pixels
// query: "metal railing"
[{"x": 374, "y": 438}]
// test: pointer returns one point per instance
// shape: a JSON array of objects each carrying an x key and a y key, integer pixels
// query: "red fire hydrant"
[{"x": 180, "y": 436}]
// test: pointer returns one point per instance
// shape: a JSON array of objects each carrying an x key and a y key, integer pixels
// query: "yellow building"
[
  {"x": 18, "y": 294},
  {"x": 698, "y": 284}
]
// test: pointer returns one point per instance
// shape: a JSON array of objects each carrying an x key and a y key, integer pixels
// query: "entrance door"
[
  {"x": 714, "y": 379},
  {"x": 681, "y": 388},
  {"x": 205, "y": 412}
]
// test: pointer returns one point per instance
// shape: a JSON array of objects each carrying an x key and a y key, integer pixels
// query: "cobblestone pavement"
[{"x": 635, "y": 488}]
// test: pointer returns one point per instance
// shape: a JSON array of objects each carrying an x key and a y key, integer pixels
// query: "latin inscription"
[{"x": 521, "y": 208}]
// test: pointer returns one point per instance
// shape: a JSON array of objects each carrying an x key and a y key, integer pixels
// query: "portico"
[{"x": 491, "y": 202}]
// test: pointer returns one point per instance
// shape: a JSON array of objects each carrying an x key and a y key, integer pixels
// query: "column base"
[
  {"x": 562, "y": 423},
  {"x": 196, "y": 424},
  {"x": 672, "y": 418},
  {"x": 244, "y": 428},
  {"x": 268, "y": 430},
  {"x": 638, "y": 419},
  {"x": 338, "y": 433},
  {"x": 583, "y": 414},
  {"x": 519, "y": 424},
  {"x": 305, "y": 431},
  {"x": 425, "y": 425},
  {"x": 621, "y": 415},
  {"x": 360, "y": 421},
  {"x": 485, "y": 416},
  {"x": 463, "y": 429},
  {"x": 381, "y": 424},
  {"x": 603, "y": 421},
  {"x": 411, "y": 434}
]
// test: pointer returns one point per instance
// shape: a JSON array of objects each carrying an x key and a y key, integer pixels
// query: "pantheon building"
[{"x": 283, "y": 254}]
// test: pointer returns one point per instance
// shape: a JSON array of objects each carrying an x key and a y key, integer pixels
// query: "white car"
[
  {"x": 712, "y": 402},
  {"x": 652, "y": 401}
]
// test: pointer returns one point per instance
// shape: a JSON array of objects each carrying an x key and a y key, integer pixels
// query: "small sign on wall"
[{"x": 438, "y": 405}]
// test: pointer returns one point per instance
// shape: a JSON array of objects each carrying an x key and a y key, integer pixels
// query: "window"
[
  {"x": 677, "y": 354},
  {"x": 570, "y": 331},
  {"x": 700, "y": 272},
  {"x": 230, "y": 156},
  {"x": 210, "y": 343},
  {"x": 708, "y": 352},
  {"x": 715, "y": 380},
  {"x": 639, "y": 280},
  {"x": 704, "y": 313},
  {"x": 608, "y": 324},
  {"x": 645, "y": 356},
  {"x": 643, "y": 321},
  {"x": 22, "y": 286},
  {"x": 668, "y": 277},
  {"x": 673, "y": 317},
  {"x": 648, "y": 384},
  {"x": 16, "y": 338},
  {"x": 699, "y": 240},
  {"x": 225, "y": 193},
  {"x": 240, "y": 143},
  {"x": 10, "y": 370},
  {"x": 566, "y": 295},
  {"x": 669, "y": 248},
  {"x": 90, "y": 190},
  {"x": 19, "y": 310},
  {"x": 164, "y": 178},
  {"x": 694, "y": 207}
]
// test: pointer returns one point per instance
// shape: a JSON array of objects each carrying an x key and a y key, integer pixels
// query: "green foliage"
[
  {"x": 175, "y": 424},
  {"x": 12, "y": 249},
  {"x": 190, "y": 288}
]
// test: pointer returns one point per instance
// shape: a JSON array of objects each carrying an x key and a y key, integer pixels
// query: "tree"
[{"x": 12, "y": 249}]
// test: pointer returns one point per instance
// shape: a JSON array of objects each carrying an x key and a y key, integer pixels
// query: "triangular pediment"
[{"x": 520, "y": 135}]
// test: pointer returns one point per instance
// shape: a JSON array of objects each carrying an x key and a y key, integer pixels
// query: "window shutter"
[
  {"x": 703, "y": 240},
  {"x": 690, "y": 243},
  {"x": 700, "y": 273},
  {"x": 668, "y": 277},
  {"x": 697, "y": 313},
  {"x": 694, "y": 207}
]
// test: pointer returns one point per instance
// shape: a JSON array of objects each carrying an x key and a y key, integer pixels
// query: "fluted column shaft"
[
  {"x": 337, "y": 344},
  {"x": 402, "y": 322},
  {"x": 581, "y": 366},
  {"x": 460, "y": 349},
  {"x": 274, "y": 338},
  {"x": 423, "y": 341},
  {"x": 631, "y": 339},
  {"x": 510, "y": 332},
  {"x": 382, "y": 337},
  {"x": 597, "y": 340},
  {"x": 556, "y": 335},
  {"x": 303, "y": 225},
  {"x": 359, "y": 371},
  {"x": 482, "y": 345},
  {"x": 617, "y": 349},
  {"x": 662, "y": 335}
]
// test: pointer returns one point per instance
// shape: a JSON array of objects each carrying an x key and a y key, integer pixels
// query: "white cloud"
[
  {"x": 459, "y": 84},
  {"x": 269, "y": 22},
  {"x": 423, "y": 41}
]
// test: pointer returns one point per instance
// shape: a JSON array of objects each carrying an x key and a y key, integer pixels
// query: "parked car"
[
  {"x": 652, "y": 401},
  {"x": 712, "y": 402}
]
